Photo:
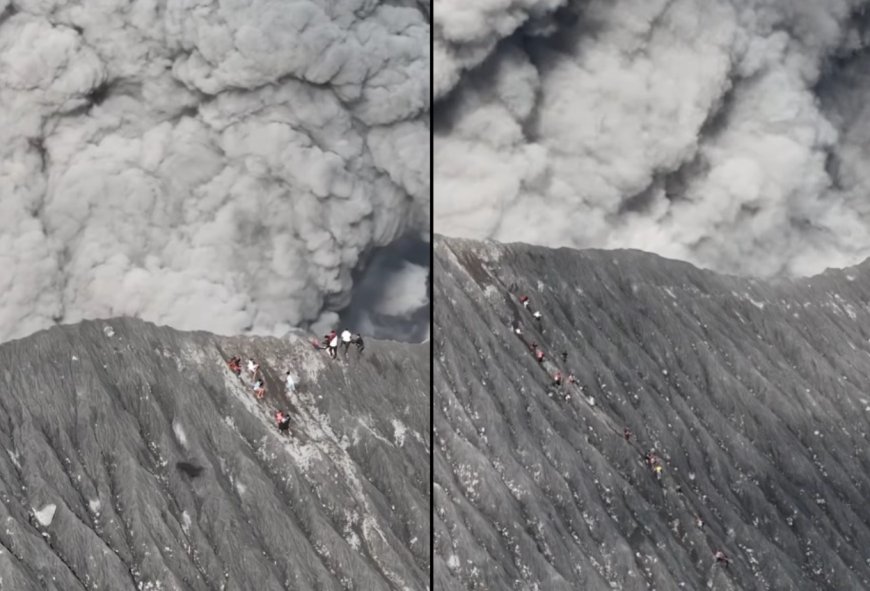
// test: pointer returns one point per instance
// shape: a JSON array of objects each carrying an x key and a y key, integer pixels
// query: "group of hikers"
[
  {"x": 282, "y": 418},
  {"x": 651, "y": 458},
  {"x": 257, "y": 383},
  {"x": 332, "y": 340},
  {"x": 251, "y": 368}
]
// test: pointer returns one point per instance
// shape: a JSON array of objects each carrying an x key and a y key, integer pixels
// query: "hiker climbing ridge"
[{"x": 282, "y": 421}]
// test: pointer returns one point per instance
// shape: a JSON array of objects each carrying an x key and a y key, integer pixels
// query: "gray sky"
[
  {"x": 730, "y": 133},
  {"x": 225, "y": 168}
]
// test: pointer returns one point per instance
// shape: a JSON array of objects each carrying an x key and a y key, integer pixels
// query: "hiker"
[
  {"x": 282, "y": 421},
  {"x": 539, "y": 355},
  {"x": 291, "y": 383},
  {"x": 557, "y": 379},
  {"x": 516, "y": 327},
  {"x": 259, "y": 389},
  {"x": 564, "y": 356},
  {"x": 331, "y": 343},
  {"x": 721, "y": 558},
  {"x": 537, "y": 316},
  {"x": 524, "y": 300},
  {"x": 235, "y": 364},
  {"x": 654, "y": 464},
  {"x": 572, "y": 379},
  {"x": 626, "y": 432},
  {"x": 253, "y": 368},
  {"x": 345, "y": 340},
  {"x": 358, "y": 341}
]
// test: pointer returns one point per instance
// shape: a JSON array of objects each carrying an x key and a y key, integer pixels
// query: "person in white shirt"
[
  {"x": 345, "y": 340},
  {"x": 253, "y": 368}
]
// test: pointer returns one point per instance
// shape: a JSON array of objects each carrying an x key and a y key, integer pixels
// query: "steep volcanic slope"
[
  {"x": 133, "y": 459},
  {"x": 753, "y": 394}
]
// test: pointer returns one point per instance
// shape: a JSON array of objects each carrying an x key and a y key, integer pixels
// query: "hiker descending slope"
[
  {"x": 654, "y": 463},
  {"x": 282, "y": 421},
  {"x": 290, "y": 382},
  {"x": 253, "y": 368},
  {"x": 524, "y": 300},
  {"x": 235, "y": 365},
  {"x": 259, "y": 389}
]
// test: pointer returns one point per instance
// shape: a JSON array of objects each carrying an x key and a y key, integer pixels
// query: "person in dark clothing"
[
  {"x": 282, "y": 421},
  {"x": 626, "y": 432},
  {"x": 564, "y": 356},
  {"x": 358, "y": 341}
]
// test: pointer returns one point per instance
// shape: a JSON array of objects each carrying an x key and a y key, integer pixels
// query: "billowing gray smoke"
[
  {"x": 223, "y": 166},
  {"x": 730, "y": 133}
]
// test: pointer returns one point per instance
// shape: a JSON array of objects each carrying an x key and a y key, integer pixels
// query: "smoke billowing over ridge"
[
  {"x": 225, "y": 168},
  {"x": 729, "y": 133}
]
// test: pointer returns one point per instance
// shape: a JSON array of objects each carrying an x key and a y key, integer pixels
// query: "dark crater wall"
[
  {"x": 753, "y": 394},
  {"x": 133, "y": 459}
]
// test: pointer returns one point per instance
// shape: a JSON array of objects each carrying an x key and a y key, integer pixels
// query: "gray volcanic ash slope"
[
  {"x": 753, "y": 394},
  {"x": 133, "y": 459}
]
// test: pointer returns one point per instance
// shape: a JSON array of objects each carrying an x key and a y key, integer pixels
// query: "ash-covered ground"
[
  {"x": 132, "y": 458},
  {"x": 753, "y": 394}
]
